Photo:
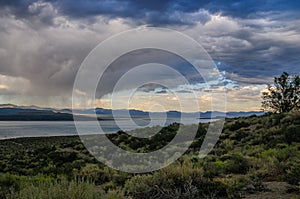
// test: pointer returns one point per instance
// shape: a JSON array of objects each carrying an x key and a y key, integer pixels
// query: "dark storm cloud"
[
  {"x": 154, "y": 12},
  {"x": 184, "y": 91},
  {"x": 158, "y": 12},
  {"x": 123, "y": 64},
  {"x": 161, "y": 92},
  {"x": 48, "y": 56},
  {"x": 45, "y": 41},
  {"x": 250, "y": 8},
  {"x": 265, "y": 50},
  {"x": 150, "y": 87}
]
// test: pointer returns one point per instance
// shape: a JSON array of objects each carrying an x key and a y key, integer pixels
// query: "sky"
[{"x": 43, "y": 43}]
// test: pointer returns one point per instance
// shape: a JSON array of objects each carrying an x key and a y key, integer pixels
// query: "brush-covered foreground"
[{"x": 256, "y": 157}]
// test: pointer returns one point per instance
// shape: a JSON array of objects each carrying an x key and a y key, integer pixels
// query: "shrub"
[
  {"x": 22, "y": 187},
  {"x": 234, "y": 185},
  {"x": 237, "y": 125},
  {"x": 174, "y": 180},
  {"x": 113, "y": 194},
  {"x": 213, "y": 169},
  {"x": 292, "y": 134},
  {"x": 293, "y": 173},
  {"x": 9, "y": 184},
  {"x": 90, "y": 172},
  {"x": 237, "y": 164}
]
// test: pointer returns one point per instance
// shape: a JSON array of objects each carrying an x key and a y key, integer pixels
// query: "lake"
[{"x": 13, "y": 129}]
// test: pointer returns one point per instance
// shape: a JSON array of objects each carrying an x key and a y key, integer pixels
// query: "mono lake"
[{"x": 13, "y": 129}]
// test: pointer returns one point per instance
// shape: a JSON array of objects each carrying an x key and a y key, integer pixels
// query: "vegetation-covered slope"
[{"x": 255, "y": 157}]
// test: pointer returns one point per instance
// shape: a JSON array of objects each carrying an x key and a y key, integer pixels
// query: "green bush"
[
  {"x": 113, "y": 194},
  {"x": 213, "y": 169},
  {"x": 90, "y": 172},
  {"x": 21, "y": 187},
  {"x": 293, "y": 173},
  {"x": 174, "y": 181},
  {"x": 292, "y": 134},
  {"x": 9, "y": 184},
  {"x": 237, "y": 164},
  {"x": 237, "y": 125}
]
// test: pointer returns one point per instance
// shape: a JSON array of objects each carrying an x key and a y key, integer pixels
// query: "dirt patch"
[{"x": 276, "y": 190}]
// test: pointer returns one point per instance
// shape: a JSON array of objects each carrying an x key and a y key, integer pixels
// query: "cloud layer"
[{"x": 43, "y": 43}]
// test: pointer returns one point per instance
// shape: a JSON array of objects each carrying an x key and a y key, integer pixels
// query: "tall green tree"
[{"x": 283, "y": 95}]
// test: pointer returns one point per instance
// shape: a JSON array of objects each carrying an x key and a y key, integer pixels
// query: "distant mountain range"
[{"x": 11, "y": 112}]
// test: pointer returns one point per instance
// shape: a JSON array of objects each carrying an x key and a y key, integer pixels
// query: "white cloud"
[{"x": 13, "y": 85}]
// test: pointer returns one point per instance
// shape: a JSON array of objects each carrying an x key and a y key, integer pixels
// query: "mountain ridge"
[{"x": 13, "y": 110}]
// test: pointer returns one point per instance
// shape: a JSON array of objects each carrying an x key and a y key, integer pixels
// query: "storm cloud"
[{"x": 43, "y": 43}]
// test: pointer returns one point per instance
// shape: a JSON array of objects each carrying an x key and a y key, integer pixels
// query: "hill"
[
  {"x": 11, "y": 112},
  {"x": 255, "y": 157}
]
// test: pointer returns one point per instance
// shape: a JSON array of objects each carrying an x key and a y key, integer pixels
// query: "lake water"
[{"x": 13, "y": 129}]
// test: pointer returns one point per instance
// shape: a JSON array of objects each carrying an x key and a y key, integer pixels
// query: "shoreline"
[
  {"x": 36, "y": 137},
  {"x": 75, "y": 134}
]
